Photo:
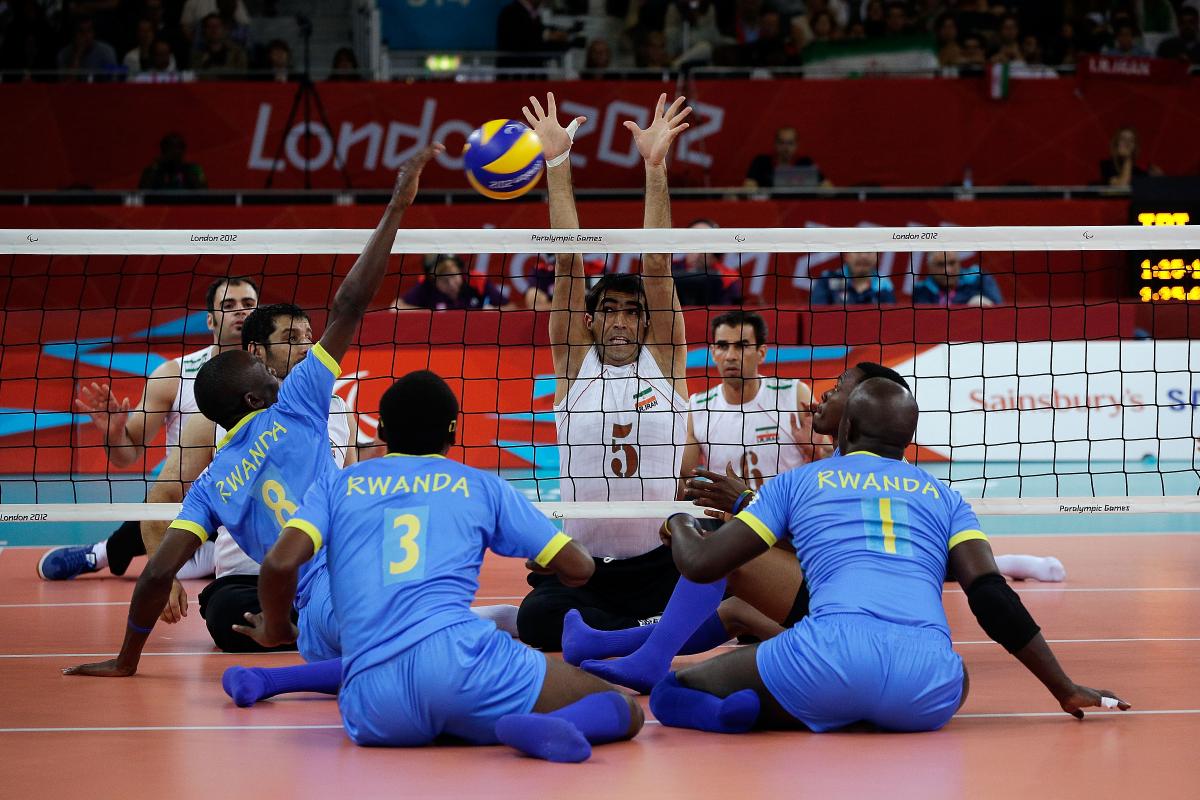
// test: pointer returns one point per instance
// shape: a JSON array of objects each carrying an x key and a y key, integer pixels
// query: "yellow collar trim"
[
  {"x": 410, "y": 455},
  {"x": 864, "y": 453},
  {"x": 241, "y": 424}
]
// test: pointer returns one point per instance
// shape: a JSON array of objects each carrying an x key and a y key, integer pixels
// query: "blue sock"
[
  {"x": 679, "y": 707},
  {"x": 710, "y": 634},
  {"x": 581, "y": 641},
  {"x": 568, "y": 734},
  {"x": 248, "y": 685},
  {"x": 692, "y": 607}
]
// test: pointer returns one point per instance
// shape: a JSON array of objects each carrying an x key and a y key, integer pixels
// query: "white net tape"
[{"x": 633, "y": 240}]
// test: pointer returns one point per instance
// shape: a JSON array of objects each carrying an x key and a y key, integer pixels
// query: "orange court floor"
[{"x": 1127, "y": 619}]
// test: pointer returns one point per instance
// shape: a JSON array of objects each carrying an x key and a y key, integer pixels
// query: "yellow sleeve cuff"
[
  {"x": 758, "y": 527},
  {"x": 323, "y": 356},
  {"x": 190, "y": 527},
  {"x": 965, "y": 536},
  {"x": 307, "y": 528},
  {"x": 552, "y": 548}
]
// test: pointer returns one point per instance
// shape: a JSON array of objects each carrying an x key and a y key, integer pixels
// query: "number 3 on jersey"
[{"x": 404, "y": 544}]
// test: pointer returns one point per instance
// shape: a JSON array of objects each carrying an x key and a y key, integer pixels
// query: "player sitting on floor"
[
  {"x": 168, "y": 402},
  {"x": 276, "y": 447},
  {"x": 874, "y": 534},
  {"x": 766, "y": 595},
  {"x": 405, "y": 537}
]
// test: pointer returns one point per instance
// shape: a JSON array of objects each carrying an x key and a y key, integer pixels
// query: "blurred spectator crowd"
[
  {"x": 962, "y": 34},
  {"x": 706, "y": 279},
  {"x": 152, "y": 41},
  {"x": 168, "y": 40}
]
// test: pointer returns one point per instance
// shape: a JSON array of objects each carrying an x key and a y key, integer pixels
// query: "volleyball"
[{"x": 503, "y": 159}]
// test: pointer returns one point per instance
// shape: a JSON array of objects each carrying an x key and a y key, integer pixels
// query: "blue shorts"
[
  {"x": 458, "y": 681},
  {"x": 834, "y": 670},
  {"x": 319, "y": 640}
]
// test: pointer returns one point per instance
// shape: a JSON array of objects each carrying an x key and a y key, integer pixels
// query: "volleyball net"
[{"x": 1054, "y": 366}]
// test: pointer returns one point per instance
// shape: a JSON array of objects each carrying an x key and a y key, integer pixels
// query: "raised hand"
[
  {"x": 409, "y": 175},
  {"x": 554, "y": 137},
  {"x": 1081, "y": 697},
  {"x": 655, "y": 142},
  {"x": 718, "y": 492},
  {"x": 108, "y": 414},
  {"x": 265, "y": 636}
]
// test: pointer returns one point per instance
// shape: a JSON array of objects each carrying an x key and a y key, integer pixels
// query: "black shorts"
[
  {"x": 622, "y": 593},
  {"x": 799, "y": 606}
]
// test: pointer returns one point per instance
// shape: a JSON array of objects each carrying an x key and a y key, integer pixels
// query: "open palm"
[
  {"x": 544, "y": 122},
  {"x": 655, "y": 141},
  {"x": 108, "y": 414}
]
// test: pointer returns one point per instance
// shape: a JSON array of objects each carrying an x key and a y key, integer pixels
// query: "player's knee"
[
  {"x": 966, "y": 687},
  {"x": 731, "y": 618},
  {"x": 225, "y": 608},
  {"x": 540, "y": 621}
]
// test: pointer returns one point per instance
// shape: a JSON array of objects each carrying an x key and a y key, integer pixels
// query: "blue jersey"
[
  {"x": 872, "y": 534},
  {"x": 404, "y": 538},
  {"x": 266, "y": 463}
]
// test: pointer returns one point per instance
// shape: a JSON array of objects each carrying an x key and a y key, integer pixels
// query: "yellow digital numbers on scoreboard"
[{"x": 1169, "y": 279}]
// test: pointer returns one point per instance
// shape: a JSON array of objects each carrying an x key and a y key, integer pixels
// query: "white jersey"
[
  {"x": 185, "y": 395},
  {"x": 621, "y": 435},
  {"x": 755, "y": 437},
  {"x": 229, "y": 559}
]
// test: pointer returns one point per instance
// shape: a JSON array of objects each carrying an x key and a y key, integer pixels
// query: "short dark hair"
[
  {"x": 622, "y": 282},
  {"x": 870, "y": 369},
  {"x": 419, "y": 414},
  {"x": 217, "y": 386},
  {"x": 260, "y": 323},
  {"x": 736, "y": 319},
  {"x": 210, "y": 295}
]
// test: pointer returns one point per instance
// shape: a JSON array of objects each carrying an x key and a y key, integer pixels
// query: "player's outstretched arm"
[
  {"x": 667, "y": 337},
  {"x": 277, "y": 589},
  {"x": 365, "y": 277},
  {"x": 1005, "y": 619},
  {"x": 704, "y": 558},
  {"x": 569, "y": 337},
  {"x": 149, "y": 597}
]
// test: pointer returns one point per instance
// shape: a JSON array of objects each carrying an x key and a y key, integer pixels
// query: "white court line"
[
  {"x": 64, "y": 605},
  {"x": 726, "y": 646},
  {"x": 1102, "y": 641},
  {"x": 1018, "y": 589},
  {"x": 1029, "y": 590},
  {"x": 126, "y": 602},
  {"x": 1087, "y": 712},
  {"x": 144, "y": 655},
  {"x": 185, "y": 728},
  {"x": 1026, "y": 714},
  {"x": 136, "y": 728}
]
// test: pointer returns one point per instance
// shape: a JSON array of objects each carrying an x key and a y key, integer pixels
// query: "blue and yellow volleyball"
[{"x": 503, "y": 159}]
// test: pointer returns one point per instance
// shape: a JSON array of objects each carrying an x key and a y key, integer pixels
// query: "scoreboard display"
[{"x": 1164, "y": 276}]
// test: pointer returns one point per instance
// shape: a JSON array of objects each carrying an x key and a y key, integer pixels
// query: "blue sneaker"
[{"x": 64, "y": 563}]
